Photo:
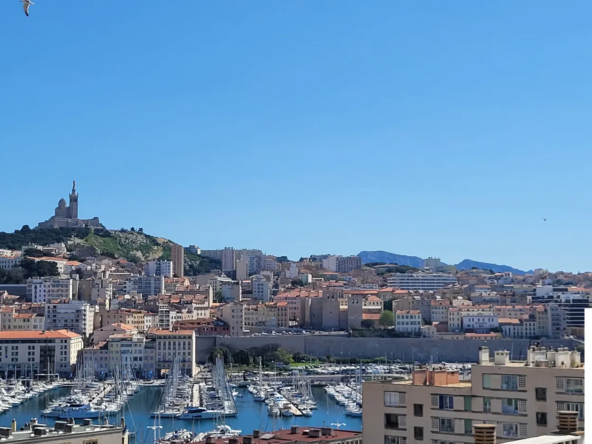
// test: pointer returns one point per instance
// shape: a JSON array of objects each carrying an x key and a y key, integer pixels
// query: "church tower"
[{"x": 73, "y": 202}]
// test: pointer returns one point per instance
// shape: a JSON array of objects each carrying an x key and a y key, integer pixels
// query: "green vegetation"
[
  {"x": 297, "y": 282},
  {"x": 28, "y": 269},
  {"x": 270, "y": 355},
  {"x": 387, "y": 319},
  {"x": 367, "y": 324},
  {"x": 45, "y": 236}
]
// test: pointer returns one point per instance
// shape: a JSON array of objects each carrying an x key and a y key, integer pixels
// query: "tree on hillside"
[
  {"x": 297, "y": 282},
  {"x": 387, "y": 319}
]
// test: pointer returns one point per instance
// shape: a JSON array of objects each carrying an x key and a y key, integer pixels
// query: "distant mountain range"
[{"x": 417, "y": 262}]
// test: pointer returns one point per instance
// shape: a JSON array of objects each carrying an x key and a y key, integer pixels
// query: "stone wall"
[{"x": 405, "y": 349}]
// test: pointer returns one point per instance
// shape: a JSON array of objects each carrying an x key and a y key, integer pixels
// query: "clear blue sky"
[{"x": 446, "y": 128}]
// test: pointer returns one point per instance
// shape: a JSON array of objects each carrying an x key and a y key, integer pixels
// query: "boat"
[
  {"x": 306, "y": 412},
  {"x": 192, "y": 413}
]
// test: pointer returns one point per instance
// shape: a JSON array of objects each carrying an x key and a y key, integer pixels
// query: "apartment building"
[
  {"x": 341, "y": 264},
  {"x": 46, "y": 288},
  {"x": 10, "y": 260},
  {"x": 174, "y": 344},
  {"x": 261, "y": 288},
  {"x": 159, "y": 268},
  {"x": 36, "y": 351},
  {"x": 421, "y": 281},
  {"x": 178, "y": 259},
  {"x": 13, "y": 319},
  {"x": 233, "y": 314},
  {"x": 77, "y": 316},
  {"x": 127, "y": 316},
  {"x": 408, "y": 322},
  {"x": 439, "y": 310},
  {"x": 436, "y": 406},
  {"x": 261, "y": 315},
  {"x": 127, "y": 352}
]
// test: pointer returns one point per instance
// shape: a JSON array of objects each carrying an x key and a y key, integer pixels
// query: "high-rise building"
[
  {"x": 438, "y": 405},
  {"x": 178, "y": 258},
  {"x": 159, "y": 268},
  {"x": 421, "y": 281}
]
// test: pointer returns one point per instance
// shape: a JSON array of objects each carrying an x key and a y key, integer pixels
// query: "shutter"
[
  {"x": 522, "y": 430},
  {"x": 435, "y": 400},
  {"x": 403, "y": 421},
  {"x": 435, "y": 423},
  {"x": 459, "y": 403},
  {"x": 459, "y": 426},
  {"x": 560, "y": 383},
  {"x": 496, "y": 382},
  {"x": 477, "y": 404},
  {"x": 522, "y": 406},
  {"x": 402, "y": 398},
  {"x": 521, "y": 381},
  {"x": 496, "y": 405}
]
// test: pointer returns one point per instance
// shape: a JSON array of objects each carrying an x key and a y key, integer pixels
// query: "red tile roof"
[{"x": 38, "y": 334}]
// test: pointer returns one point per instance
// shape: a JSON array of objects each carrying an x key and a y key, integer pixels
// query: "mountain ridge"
[{"x": 417, "y": 262}]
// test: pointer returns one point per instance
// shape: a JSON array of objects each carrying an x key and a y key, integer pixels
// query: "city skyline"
[{"x": 440, "y": 130}]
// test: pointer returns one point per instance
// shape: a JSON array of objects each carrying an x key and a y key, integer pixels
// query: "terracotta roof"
[
  {"x": 156, "y": 331},
  {"x": 413, "y": 312},
  {"x": 123, "y": 326},
  {"x": 38, "y": 334},
  {"x": 508, "y": 321},
  {"x": 371, "y": 316},
  {"x": 374, "y": 299}
]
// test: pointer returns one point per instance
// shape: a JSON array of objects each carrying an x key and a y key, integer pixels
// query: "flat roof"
[
  {"x": 52, "y": 434},
  {"x": 286, "y": 436},
  {"x": 547, "y": 439}
]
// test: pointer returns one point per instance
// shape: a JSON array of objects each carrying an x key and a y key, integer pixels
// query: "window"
[
  {"x": 446, "y": 402},
  {"x": 394, "y": 440},
  {"x": 487, "y": 405},
  {"x": 572, "y": 407},
  {"x": 487, "y": 381},
  {"x": 509, "y": 430},
  {"x": 392, "y": 421},
  {"x": 541, "y": 393},
  {"x": 446, "y": 425},
  {"x": 541, "y": 418},
  {"x": 468, "y": 404},
  {"x": 418, "y": 410},
  {"x": 468, "y": 426},
  {"x": 574, "y": 385},
  {"x": 394, "y": 399},
  {"x": 510, "y": 382},
  {"x": 418, "y": 433},
  {"x": 510, "y": 406}
]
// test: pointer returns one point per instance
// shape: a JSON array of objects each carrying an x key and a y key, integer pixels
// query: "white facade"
[
  {"x": 270, "y": 264},
  {"x": 480, "y": 322},
  {"x": 242, "y": 270},
  {"x": 150, "y": 321},
  {"x": 145, "y": 285},
  {"x": 232, "y": 292},
  {"x": 22, "y": 352},
  {"x": 11, "y": 320},
  {"x": 159, "y": 268},
  {"x": 330, "y": 263},
  {"x": 43, "y": 289},
  {"x": 342, "y": 264},
  {"x": 408, "y": 321},
  {"x": 292, "y": 272},
  {"x": 9, "y": 261},
  {"x": 433, "y": 263},
  {"x": 228, "y": 259},
  {"x": 421, "y": 281},
  {"x": 77, "y": 316},
  {"x": 261, "y": 288}
]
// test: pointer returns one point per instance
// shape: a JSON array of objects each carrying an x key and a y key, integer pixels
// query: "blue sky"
[{"x": 305, "y": 127}]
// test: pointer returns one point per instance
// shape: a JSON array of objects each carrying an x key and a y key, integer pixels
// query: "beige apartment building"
[{"x": 438, "y": 407}]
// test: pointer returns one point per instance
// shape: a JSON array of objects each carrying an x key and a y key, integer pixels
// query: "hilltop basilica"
[{"x": 67, "y": 216}]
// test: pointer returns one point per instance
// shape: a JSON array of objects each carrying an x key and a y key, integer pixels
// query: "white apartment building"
[
  {"x": 43, "y": 289},
  {"x": 232, "y": 292},
  {"x": 233, "y": 314},
  {"x": 11, "y": 320},
  {"x": 146, "y": 285},
  {"x": 8, "y": 261},
  {"x": 408, "y": 321},
  {"x": 421, "y": 281},
  {"x": 261, "y": 288},
  {"x": 216, "y": 282},
  {"x": 228, "y": 259},
  {"x": 150, "y": 321},
  {"x": 456, "y": 315},
  {"x": 270, "y": 264},
  {"x": 480, "y": 322},
  {"x": 77, "y": 316},
  {"x": 341, "y": 264},
  {"x": 36, "y": 351},
  {"x": 173, "y": 344},
  {"x": 159, "y": 268},
  {"x": 520, "y": 398},
  {"x": 292, "y": 272}
]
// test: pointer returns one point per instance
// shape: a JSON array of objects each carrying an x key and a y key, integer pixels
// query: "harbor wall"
[{"x": 405, "y": 349}]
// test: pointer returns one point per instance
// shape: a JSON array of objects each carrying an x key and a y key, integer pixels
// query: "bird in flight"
[
  {"x": 545, "y": 219},
  {"x": 26, "y": 4}
]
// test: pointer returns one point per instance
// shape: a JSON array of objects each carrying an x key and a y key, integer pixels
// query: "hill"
[
  {"x": 132, "y": 245},
  {"x": 468, "y": 264},
  {"x": 390, "y": 258},
  {"x": 417, "y": 262}
]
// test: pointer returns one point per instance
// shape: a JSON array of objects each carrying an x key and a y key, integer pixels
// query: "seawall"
[{"x": 405, "y": 349}]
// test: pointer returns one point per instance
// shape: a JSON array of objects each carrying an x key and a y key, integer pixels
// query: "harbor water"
[{"x": 251, "y": 415}]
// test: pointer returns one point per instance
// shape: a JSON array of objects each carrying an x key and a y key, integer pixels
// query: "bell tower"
[{"x": 73, "y": 202}]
